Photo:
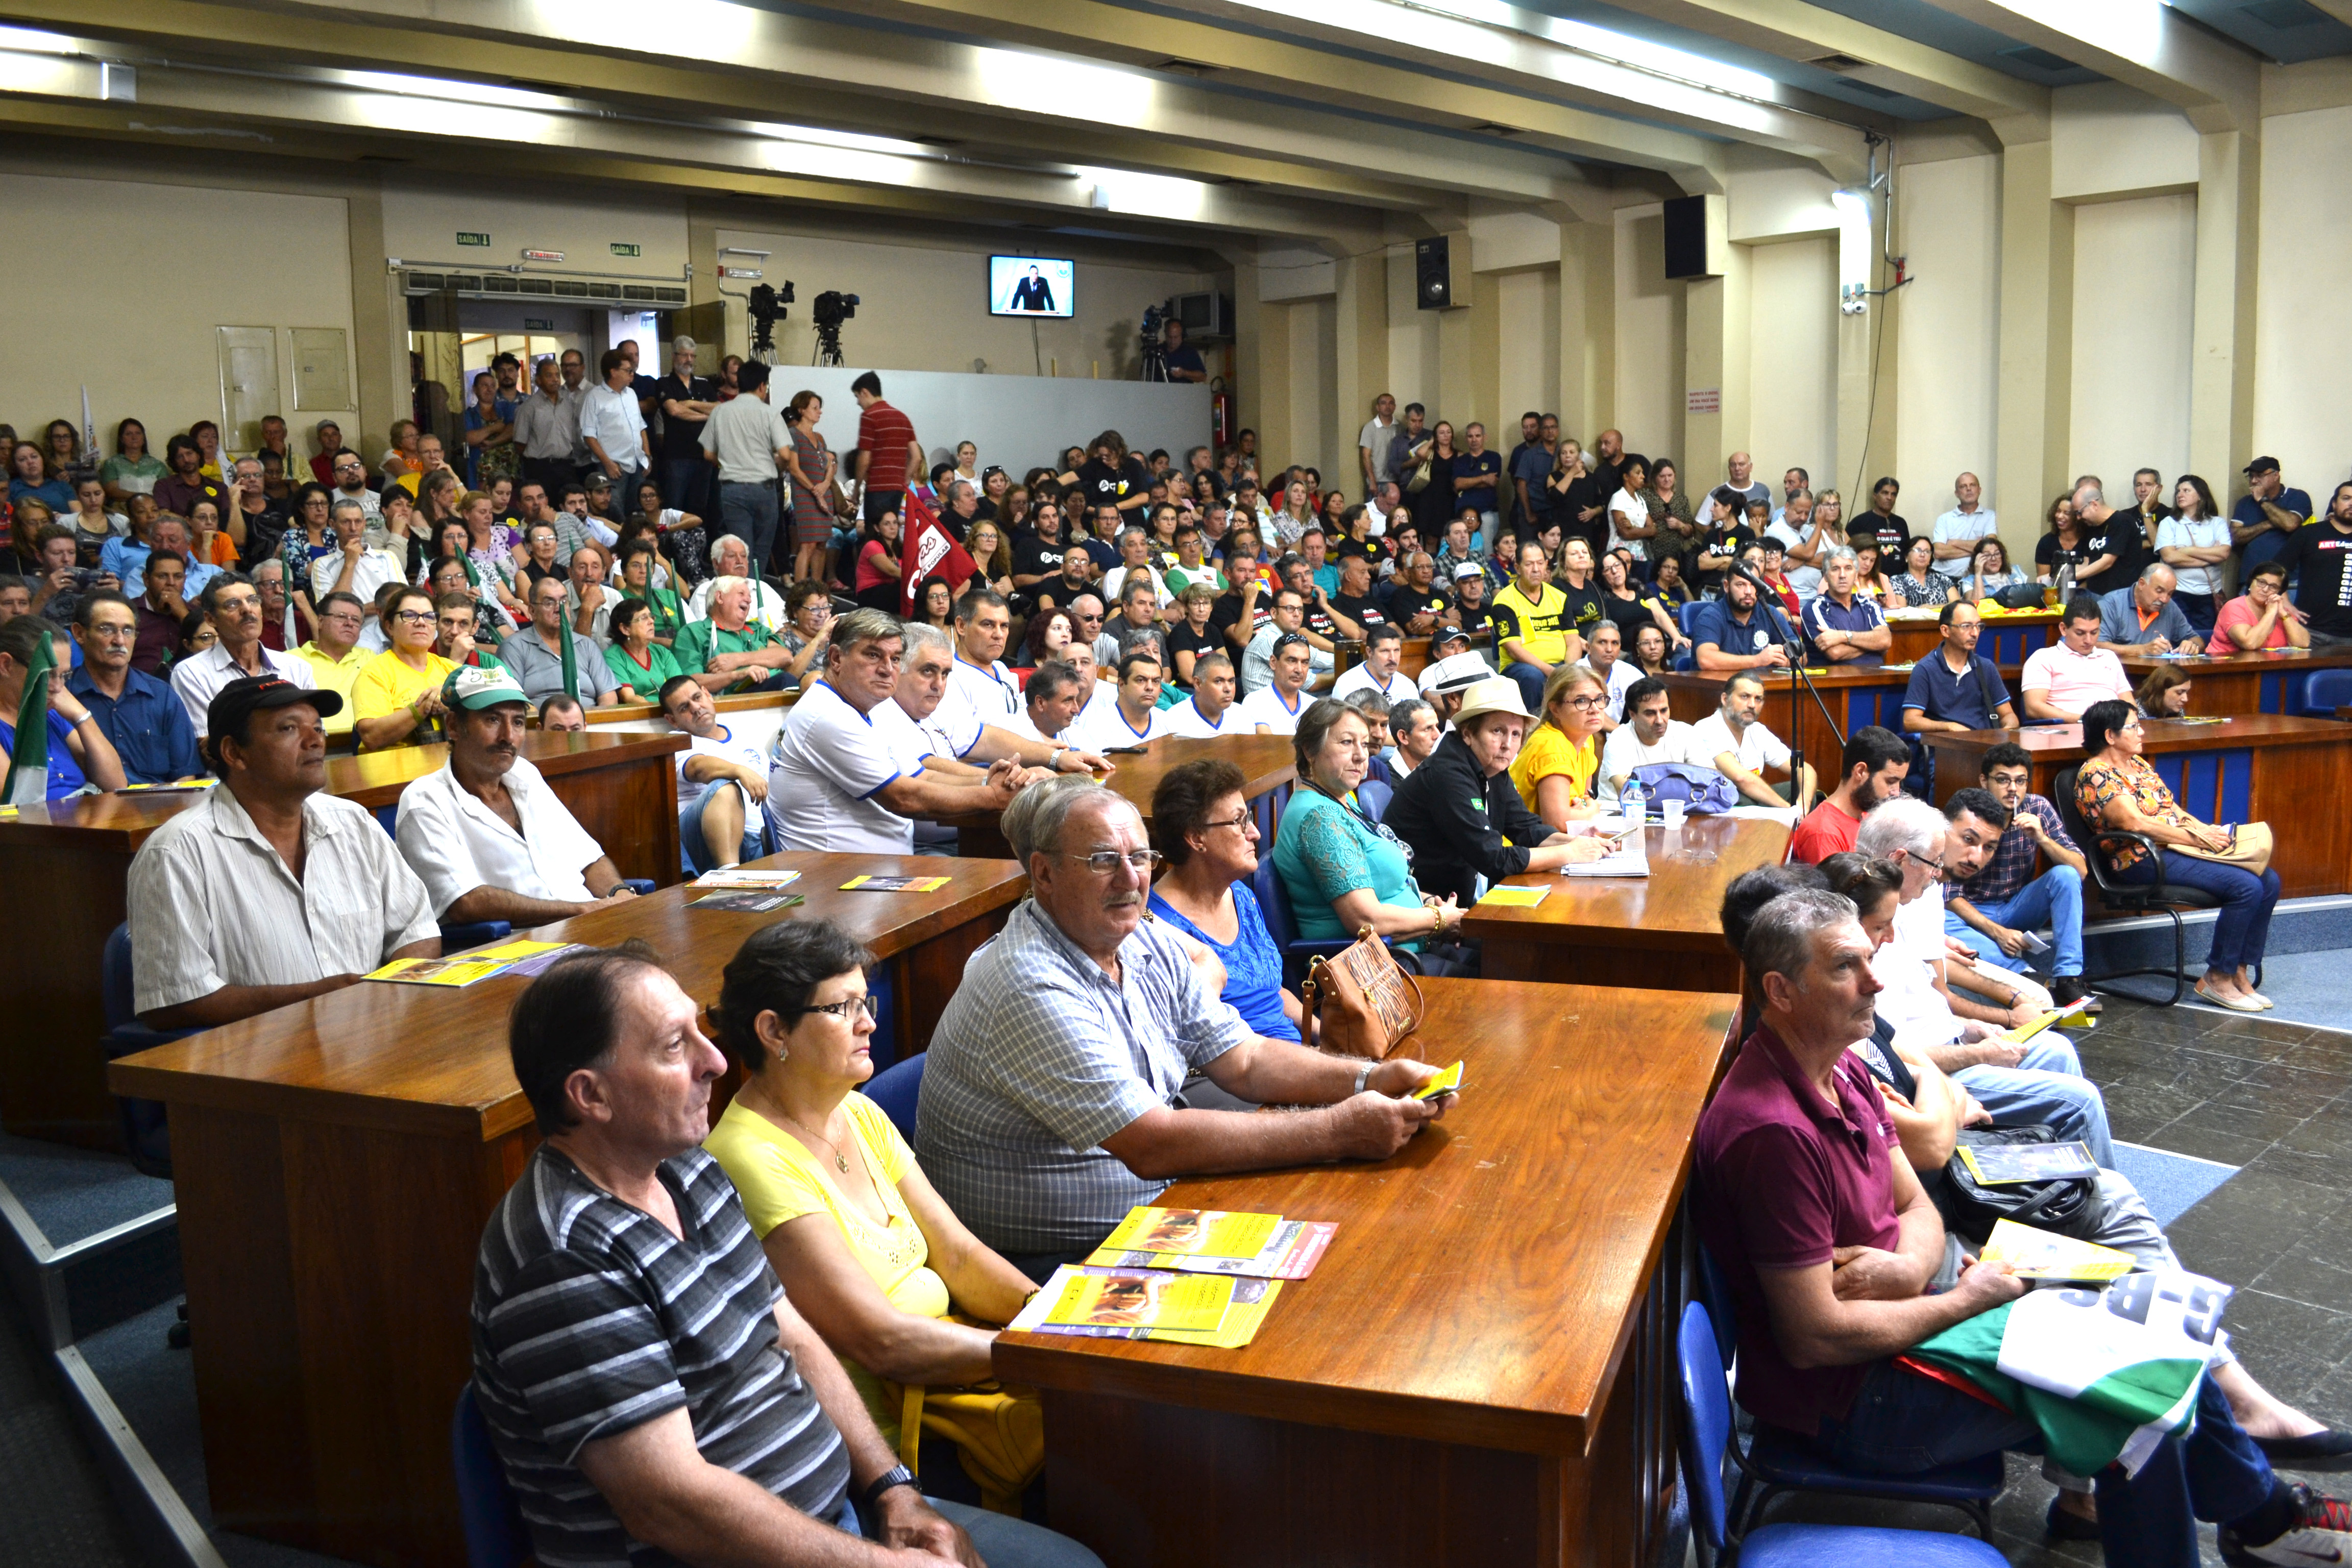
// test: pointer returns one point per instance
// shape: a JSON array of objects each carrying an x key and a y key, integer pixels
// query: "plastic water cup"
[{"x": 1673, "y": 810}]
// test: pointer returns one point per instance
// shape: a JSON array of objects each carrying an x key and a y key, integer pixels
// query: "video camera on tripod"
[
  {"x": 767, "y": 306},
  {"x": 829, "y": 310},
  {"x": 1155, "y": 358}
]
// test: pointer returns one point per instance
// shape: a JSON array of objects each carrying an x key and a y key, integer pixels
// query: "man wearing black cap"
[
  {"x": 2263, "y": 523},
  {"x": 268, "y": 891}
]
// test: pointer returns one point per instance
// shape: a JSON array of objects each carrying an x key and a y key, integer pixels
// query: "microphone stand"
[{"x": 1777, "y": 623}]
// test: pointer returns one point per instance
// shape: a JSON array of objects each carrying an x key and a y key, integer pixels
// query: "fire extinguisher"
[{"x": 1221, "y": 413}]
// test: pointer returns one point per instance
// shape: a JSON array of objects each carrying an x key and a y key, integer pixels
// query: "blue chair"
[
  {"x": 145, "y": 1134},
  {"x": 898, "y": 1090},
  {"x": 1707, "y": 1436},
  {"x": 1776, "y": 1461},
  {"x": 2324, "y": 691},
  {"x": 1374, "y": 797},
  {"x": 1283, "y": 926},
  {"x": 496, "y": 1536},
  {"x": 1687, "y": 617}
]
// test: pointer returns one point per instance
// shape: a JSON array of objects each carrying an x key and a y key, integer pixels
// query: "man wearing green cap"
[{"x": 485, "y": 833}]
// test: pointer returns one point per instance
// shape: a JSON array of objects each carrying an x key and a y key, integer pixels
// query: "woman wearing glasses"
[
  {"x": 867, "y": 1250},
  {"x": 397, "y": 695},
  {"x": 1207, "y": 837},
  {"x": 1553, "y": 772}
]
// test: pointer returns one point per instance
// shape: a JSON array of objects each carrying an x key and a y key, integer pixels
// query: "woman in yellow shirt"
[
  {"x": 397, "y": 695},
  {"x": 1554, "y": 770},
  {"x": 869, "y": 1252}
]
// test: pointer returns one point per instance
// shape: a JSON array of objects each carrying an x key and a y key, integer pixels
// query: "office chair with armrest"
[{"x": 2160, "y": 897}]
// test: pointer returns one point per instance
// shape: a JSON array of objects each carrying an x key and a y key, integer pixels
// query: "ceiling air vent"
[
  {"x": 1840, "y": 64},
  {"x": 669, "y": 296},
  {"x": 430, "y": 282},
  {"x": 604, "y": 291},
  {"x": 568, "y": 290}
]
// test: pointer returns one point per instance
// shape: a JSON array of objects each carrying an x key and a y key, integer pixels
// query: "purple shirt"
[{"x": 1781, "y": 1178}]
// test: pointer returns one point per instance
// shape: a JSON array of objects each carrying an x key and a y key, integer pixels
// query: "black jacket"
[{"x": 1457, "y": 820}]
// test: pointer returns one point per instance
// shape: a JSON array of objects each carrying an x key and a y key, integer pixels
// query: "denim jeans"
[
  {"x": 2200, "y": 609},
  {"x": 2054, "y": 898},
  {"x": 685, "y": 484},
  {"x": 2046, "y": 1088},
  {"x": 2244, "y": 927},
  {"x": 1002, "y": 1541},
  {"x": 694, "y": 851},
  {"x": 1531, "y": 684},
  {"x": 749, "y": 512},
  {"x": 1901, "y": 1423}
]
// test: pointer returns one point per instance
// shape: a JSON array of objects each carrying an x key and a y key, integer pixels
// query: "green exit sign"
[
  {"x": 464, "y": 237},
  {"x": 620, "y": 249}
]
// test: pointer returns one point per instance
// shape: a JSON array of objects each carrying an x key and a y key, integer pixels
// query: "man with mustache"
[
  {"x": 232, "y": 601},
  {"x": 486, "y": 832}
]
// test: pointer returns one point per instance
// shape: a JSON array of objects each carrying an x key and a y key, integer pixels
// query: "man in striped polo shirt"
[{"x": 636, "y": 1358}]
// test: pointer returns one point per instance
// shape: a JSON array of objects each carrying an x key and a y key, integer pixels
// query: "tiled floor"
[{"x": 2275, "y": 1098}]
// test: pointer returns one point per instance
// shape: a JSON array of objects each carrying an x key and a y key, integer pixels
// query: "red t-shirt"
[
  {"x": 1779, "y": 1180},
  {"x": 887, "y": 435},
  {"x": 1826, "y": 831}
]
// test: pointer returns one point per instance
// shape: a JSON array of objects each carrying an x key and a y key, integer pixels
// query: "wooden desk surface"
[
  {"x": 423, "y": 1058},
  {"x": 2063, "y": 743},
  {"x": 1481, "y": 1282},
  {"x": 1659, "y": 932},
  {"x": 745, "y": 702},
  {"x": 2008, "y": 637},
  {"x": 375, "y": 778},
  {"x": 2270, "y": 680}
]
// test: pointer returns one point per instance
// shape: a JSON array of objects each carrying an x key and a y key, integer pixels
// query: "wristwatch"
[
  {"x": 895, "y": 1476},
  {"x": 1363, "y": 1076}
]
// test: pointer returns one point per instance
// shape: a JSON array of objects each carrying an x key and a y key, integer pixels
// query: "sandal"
[{"x": 2234, "y": 1004}]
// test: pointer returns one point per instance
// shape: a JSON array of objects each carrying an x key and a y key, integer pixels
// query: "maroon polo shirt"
[
  {"x": 887, "y": 434},
  {"x": 1782, "y": 1177}
]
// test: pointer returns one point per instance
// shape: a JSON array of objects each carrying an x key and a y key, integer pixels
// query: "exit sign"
[
  {"x": 622, "y": 248},
  {"x": 465, "y": 238}
]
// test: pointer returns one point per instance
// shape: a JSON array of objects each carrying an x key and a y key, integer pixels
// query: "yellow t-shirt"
[
  {"x": 387, "y": 683},
  {"x": 1548, "y": 751},
  {"x": 332, "y": 675},
  {"x": 1535, "y": 623},
  {"x": 780, "y": 1180}
]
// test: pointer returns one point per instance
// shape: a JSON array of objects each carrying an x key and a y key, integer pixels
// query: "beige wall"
[
  {"x": 1950, "y": 223},
  {"x": 2303, "y": 401},
  {"x": 1649, "y": 408},
  {"x": 137, "y": 324},
  {"x": 2134, "y": 283},
  {"x": 1792, "y": 365}
]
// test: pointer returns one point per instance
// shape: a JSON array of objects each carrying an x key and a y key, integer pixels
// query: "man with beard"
[{"x": 1875, "y": 761}]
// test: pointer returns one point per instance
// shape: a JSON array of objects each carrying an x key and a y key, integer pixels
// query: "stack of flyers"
[
  {"x": 457, "y": 972},
  {"x": 528, "y": 958},
  {"x": 1213, "y": 1241},
  {"x": 2004, "y": 1164},
  {"x": 746, "y": 877},
  {"x": 1291, "y": 1252},
  {"x": 894, "y": 884},
  {"x": 747, "y": 901},
  {"x": 1146, "y": 1304}
]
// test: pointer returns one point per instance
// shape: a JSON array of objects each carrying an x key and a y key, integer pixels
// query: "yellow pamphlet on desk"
[
  {"x": 1167, "y": 1301},
  {"x": 452, "y": 972},
  {"x": 1200, "y": 1233}
]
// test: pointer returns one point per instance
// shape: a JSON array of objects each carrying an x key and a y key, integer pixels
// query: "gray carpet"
[{"x": 55, "y": 1512}]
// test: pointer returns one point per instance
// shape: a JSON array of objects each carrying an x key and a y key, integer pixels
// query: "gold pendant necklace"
[{"x": 840, "y": 1161}]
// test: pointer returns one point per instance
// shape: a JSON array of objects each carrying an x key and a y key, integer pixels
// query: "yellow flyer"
[
  {"x": 1447, "y": 1081},
  {"x": 1189, "y": 1303},
  {"x": 2038, "y": 1255},
  {"x": 513, "y": 951},
  {"x": 1203, "y": 1233},
  {"x": 436, "y": 971},
  {"x": 1510, "y": 897}
]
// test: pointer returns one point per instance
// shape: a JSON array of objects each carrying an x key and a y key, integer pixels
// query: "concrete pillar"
[
  {"x": 2221, "y": 344},
  {"x": 2031, "y": 426},
  {"x": 1361, "y": 354},
  {"x": 1588, "y": 325},
  {"x": 1715, "y": 357},
  {"x": 1249, "y": 371},
  {"x": 379, "y": 325}
]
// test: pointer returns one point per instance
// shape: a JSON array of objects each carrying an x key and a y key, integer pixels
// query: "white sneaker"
[{"x": 2320, "y": 1537}]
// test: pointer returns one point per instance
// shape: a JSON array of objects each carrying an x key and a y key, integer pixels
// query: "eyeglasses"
[
  {"x": 414, "y": 617},
  {"x": 1103, "y": 862},
  {"x": 1589, "y": 704},
  {"x": 1241, "y": 822},
  {"x": 841, "y": 1009}
]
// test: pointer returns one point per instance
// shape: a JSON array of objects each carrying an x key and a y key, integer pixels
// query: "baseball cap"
[
  {"x": 241, "y": 699},
  {"x": 1446, "y": 636},
  {"x": 1467, "y": 569},
  {"x": 1456, "y": 672},
  {"x": 325, "y": 425},
  {"x": 476, "y": 688},
  {"x": 598, "y": 479},
  {"x": 2262, "y": 466}
]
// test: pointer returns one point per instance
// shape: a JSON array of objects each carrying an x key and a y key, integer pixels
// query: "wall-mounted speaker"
[
  {"x": 1699, "y": 238},
  {"x": 1440, "y": 281}
]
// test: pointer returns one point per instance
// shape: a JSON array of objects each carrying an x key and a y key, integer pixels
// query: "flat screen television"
[{"x": 1031, "y": 286}]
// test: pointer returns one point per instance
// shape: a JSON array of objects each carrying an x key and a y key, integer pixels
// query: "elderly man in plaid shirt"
[{"x": 1994, "y": 909}]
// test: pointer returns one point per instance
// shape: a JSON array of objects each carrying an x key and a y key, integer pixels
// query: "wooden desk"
[
  {"x": 335, "y": 1163},
  {"x": 1267, "y": 769},
  {"x": 2008, "y": 638},
  {"x": 1658, "y": 932},
  {"x": 2289, "y": 773},
  {"x": 1413, "y": 653},
  {"x": 2236, "y": 683},
  {"x": 1480, "y": 1371},
  {"x": 1855, "y": 695},
  {"x": 622, "y": 787}
]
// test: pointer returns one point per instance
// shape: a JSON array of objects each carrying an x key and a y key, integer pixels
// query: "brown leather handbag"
[{"x": 1360, "y": 1001}]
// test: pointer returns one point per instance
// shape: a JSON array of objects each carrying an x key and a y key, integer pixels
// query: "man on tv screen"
[{"x": 1034, "y": 293}]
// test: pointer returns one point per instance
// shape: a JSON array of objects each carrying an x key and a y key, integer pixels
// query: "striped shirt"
[
  {"x": 591, "y": 1319},
  {"x": 1039, "y": 1058}
]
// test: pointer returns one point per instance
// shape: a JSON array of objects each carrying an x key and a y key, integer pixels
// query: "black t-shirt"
[
  {"x": 1404, "y": 602},
  {"x": 1732, "y": 538},
  {"x": 1183, "y": 639},
  {"x": 1569, "y": 504},
  {"x": 1035, "y": 558},
  {"x": 1630, "y": 614},
  {"x": 1226, "y": 613},
  {"x": 1475, "y": 619},
  {"x": 1061, "y": 590},
  {"x": 1583, "y": 610},
  {"x": 1608, "y": 478},
  {"x": 2119, "y": 534},
  {"x": 1320, "y": 622},
  {"x": 2049, "y": 554},
  {"x": 1891, "y": 531},
  {"x": 1361, "y": 611},
  {"x": 1185, "y": 357},
  {"x": 2320, "y": 557},
  {"x": 681, "y": 439},
  {"x": 1099, "y": 483}
]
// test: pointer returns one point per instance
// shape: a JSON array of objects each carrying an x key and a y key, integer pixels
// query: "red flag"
[{"x": 927, "y": 549}]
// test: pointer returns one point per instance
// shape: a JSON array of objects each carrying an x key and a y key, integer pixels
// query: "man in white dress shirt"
[
  {"x": 613, "y": 425},
  {"x": 1210, "y": 711},
  {"x": 978, "y": 680},
  {"x": 354, "y": 569},
  {"x": 1383, "y": 652},
  {"x": 268, "y": 891},
  {"x": 234, "y": 606},
  {"x": 1134, "y": 718},
  {"x": 486, "y": 832}
]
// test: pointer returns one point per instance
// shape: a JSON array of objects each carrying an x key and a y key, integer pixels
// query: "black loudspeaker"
[
  {"x": 1435, "y": 286},
  {"x": 1695, "y": 241}
]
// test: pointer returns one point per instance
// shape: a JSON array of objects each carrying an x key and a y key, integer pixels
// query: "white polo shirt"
[
  {"x": 1184, "y": 719},
  {"x": 991, "y": 694},
  {"x": 1265, "y": 706},
  {"x": 831, "y": 761},
  {"x": 1099, "y": 730},
  {"x": 726, "y": 748},
  {"x": 1624, "y": 752},
  {"x": 1360, "y": 678},
  {"x": 373, "y": 569},
  {"x": 455, "y": 843},
  {"x": 1756, "y": 747},
  {"x": 198, "y": 678},
  {"x": 2075, "y": 680}
]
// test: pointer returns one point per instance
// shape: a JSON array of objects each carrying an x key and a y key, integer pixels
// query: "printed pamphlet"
[
  {"x": 2040, "y": 1255},
  {"x": 1207, "y": 1233},
  {"x": 2006, "y": 1164},
  {"x": 895, "y": 884}
]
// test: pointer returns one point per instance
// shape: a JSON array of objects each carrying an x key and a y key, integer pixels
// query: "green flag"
[
  {"x": 571, "y": 664},
  {"x": 28, "y": 762}
]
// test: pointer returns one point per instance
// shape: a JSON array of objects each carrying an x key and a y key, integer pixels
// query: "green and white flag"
[
  {"x": 2106, "y": 1374},
  {"x": 28, "y": 761}
]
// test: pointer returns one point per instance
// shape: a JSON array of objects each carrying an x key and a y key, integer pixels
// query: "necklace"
[{"x": 841, "y": 1161}]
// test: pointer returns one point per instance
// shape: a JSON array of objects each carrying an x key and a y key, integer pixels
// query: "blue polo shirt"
[
  {"x": 1861, "y": 615},
  {"x": 2271, "y": 545},
  {"x": 2119, "y": 621},
  {"x": 1714, "y": 624},
  {"x": 65, "y": 774},
  {"x": 1956, "y": 698},
  {"x": 149, "y": 726}
]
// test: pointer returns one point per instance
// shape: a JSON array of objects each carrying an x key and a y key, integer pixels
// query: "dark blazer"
[{"x": 1457, "y": 821}]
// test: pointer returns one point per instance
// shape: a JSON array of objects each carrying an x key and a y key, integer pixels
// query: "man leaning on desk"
[
  {"x": 485, "y": 832},
  {"x": 268, "y": 890},
  {"x": 1053, "y": 1101}
]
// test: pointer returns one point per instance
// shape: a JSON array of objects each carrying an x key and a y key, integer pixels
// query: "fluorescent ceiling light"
[
  {"x": 1151, "y": 195},
  {"x": 1623, "y": 49},
  {"x": 451, "y": 92},
  {"x": 33, "y": 41},
  {"x": 2131, "y": 29},
  {"x": 852, "y": 141},
  {"x": 1066, "y": 89}
]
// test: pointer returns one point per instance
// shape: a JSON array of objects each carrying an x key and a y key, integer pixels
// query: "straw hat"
[{"x": 1499, "y": 694}]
